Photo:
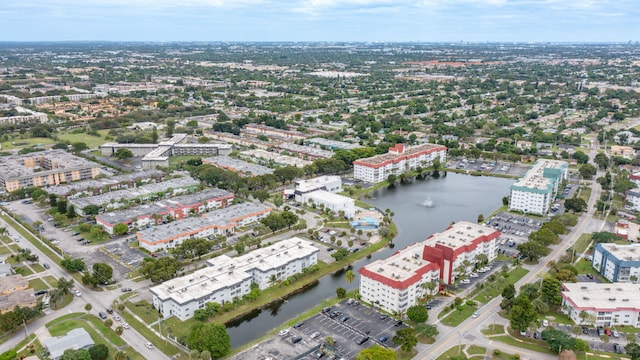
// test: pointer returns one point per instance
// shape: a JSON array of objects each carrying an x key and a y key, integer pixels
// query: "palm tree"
[{"x": 349, "y": 276}]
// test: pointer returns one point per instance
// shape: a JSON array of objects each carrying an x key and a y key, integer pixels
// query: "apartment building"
[
  {"x": 216, "y": 222},
  {"x": 608, "y": 304},
  {"x": 399, "y": 159},
  {"x": 398, "y": 282},
  {"x": 535, "y": 191},
  {"x": 328, "y": 200},
  {"x": 15, "y": 291},
  {"x": 44, "y": 168},
  {"x": 617, "y": 263},
  {"x": 243, "y": 168},
  {"x": 176, "y": 208},
  {"x": 145, "y": 193},
  {"x": 227, "y": 278}
]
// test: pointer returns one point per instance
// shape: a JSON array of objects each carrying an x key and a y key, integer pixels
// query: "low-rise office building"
[
  {"x": 227, "y": 278},
  {"x": 398, "y": 282},
  {"x": 617, "y": 263},
  {"x": 216, "y": 222},
  {"x": 399, "y": 159},
  {"x": 176, "y": 208},
  {"x": 607, "y": 304},
  {"x": 327, "y": 200},
  {"x": 535, "y": 191},
  {"x": 44, "y": 168},
  {"x": 328, "y": 183}
]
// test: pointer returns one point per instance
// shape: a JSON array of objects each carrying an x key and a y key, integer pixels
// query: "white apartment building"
[
  {"x": 608, "y": 304},
  {"x": 633, "y": 200},
  {"x": 396, "y": 283},
  {"x": 399, "y": 159},
  {"x": 331, "y": 201},
  {"x": 329, "y": 183},
  {"x": 226, "y": 278},
  {"x": 534, "y": 192},
  {"x": 617, "y": 263}
]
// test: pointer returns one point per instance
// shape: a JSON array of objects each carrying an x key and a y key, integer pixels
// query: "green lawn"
[
  {"x": 456, "y": 317},
  {"x": 166, "y": 348},
  {"x": 4, "y": 250},
  {"x": 493, "y": 329},
  {"x": 476, "y": 350},
  {"x": 26, "y": 143},
  {"x": 456, "y": 350},
  {"x": 37, "y": 284},
  {"x": 64, "y": 324},
  {"x": 37, "y": 268},
  {"x": 90, "y": 140},
  {"x": 493, "y": 289},
  {"x": 583, "y": 242},
  {"x": 584, "y": 267},
  {"x": 525, "y": 344},
  {"x": 51, "y": 280},
  {"x": 144, "y": 310}
]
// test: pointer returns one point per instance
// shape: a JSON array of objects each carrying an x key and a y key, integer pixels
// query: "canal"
[{"x": 420, "y": 209}]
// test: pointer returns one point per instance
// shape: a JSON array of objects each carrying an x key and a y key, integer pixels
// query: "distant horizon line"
[{"x": 458, "y": 42}]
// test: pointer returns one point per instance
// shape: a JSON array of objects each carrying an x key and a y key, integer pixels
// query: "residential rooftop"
[
  {"x": 223, "y": 218},
  {"x": 333, "y": 144},
  {"x": 400, "y": 152},
  {"x": 630, "y": 252},
  {"x": 602, "y": 297},
  {"x": 237, "y": 165},
  {"x": 535, "y": 177},
  {"x": 224, "y": 271},
  {"x": 305, "y": 150},
  {"x": 41, "y": 163},
  {"x": 63, "y": 190}
]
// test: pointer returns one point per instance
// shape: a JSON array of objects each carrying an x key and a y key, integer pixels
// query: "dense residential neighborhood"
[{"x": 310, "y": 200}]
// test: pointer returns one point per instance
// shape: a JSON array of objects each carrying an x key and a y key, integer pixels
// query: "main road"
[
  {"x": 471, "y": 327},
  {"x": 99, "y": 301}
]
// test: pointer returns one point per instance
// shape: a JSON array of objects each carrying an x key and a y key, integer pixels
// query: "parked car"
[
  {"x": 46, "y": 266},
  {"x": 126, "y": 289},
  {"x": 102, "y": 315},
  {"x": 314, "y": 335},
  {"x": 298, "y": 325},
  {"x": 296, "y": 339},
  {"x": 125, "y": 325},
  {"x": 283, "y": 332},
  {"x": 615, "y": 333},
  {"x": 344, "y": 318},
  {"x": 384, "y": 338},
  {"x": 361, "y": 340},
  {"x": 607, "y": 332}
]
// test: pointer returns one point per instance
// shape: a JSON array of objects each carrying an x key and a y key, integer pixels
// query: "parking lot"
[
  {"x": 346, "y": 324},
  {"x": 489, "y": 166},
  {"x": 590, "y": 334},
  {"x": 514, "y": 229}
]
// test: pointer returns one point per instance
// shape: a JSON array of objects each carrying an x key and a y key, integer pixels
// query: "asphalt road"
[{"x": 99, "y": 301}]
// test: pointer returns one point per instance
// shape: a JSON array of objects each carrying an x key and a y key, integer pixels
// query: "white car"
[
  {"x": 149, "y": 345},
  {"x": 117, "y": 318},
  {"x": 283, "y": 332},
  {"x": 465, "y": 281},
  {"x": 77, "y": 293},
  {"x": 125, "y": 325},
  {"x": 475, "y": 315}
]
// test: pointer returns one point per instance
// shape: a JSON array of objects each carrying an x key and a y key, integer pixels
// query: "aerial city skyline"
[{"x": 322, "y": 20}]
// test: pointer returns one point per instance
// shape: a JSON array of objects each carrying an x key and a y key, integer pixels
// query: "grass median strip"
[
  {"x": 455, "y": 317},
  {"x": 494, "y": 288}
]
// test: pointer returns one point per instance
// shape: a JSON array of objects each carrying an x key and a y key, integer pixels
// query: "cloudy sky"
[{"x": 321, "y": 20}]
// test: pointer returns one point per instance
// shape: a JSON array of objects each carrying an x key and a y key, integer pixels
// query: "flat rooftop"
[
  {"x": 316, "y": 183},
  {"x": 132, "y": 193},
  {"x": 306, "y": 150},
  {"x": 333, "y": 143},
  {"x": 629, "y": 252},
  {"x": 534, "y": 178},
  {"x": 67, "y": 189},
  {"x": 237, "y": 165},
  {"x": 224, "y": 271},
  {"x": 403, "y": 265},
  {"x": 44, "y": 162},
  {"x": 408, "y": 151},
  {"x": 602, "y": 297},
  {"x": 459, "y": 234},
  {"x": 275, "y": 157},
  {"x": 224, "y": 218},
  {"x": 159, "y": 207}
]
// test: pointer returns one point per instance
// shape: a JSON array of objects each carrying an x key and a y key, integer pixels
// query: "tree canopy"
[{"x": 210, "y": 337}]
